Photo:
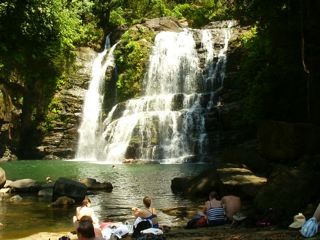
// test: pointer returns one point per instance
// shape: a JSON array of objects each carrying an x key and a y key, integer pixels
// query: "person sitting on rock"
[
  {"x": 232, "y": 205},
  {"x": 214, "y": 210},
  {"x": 147, "y": 213},
  {"x": 97, "y": 230},
  {"x": 85, "y": 230}
]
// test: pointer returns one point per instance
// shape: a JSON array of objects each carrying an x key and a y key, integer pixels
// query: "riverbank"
[{"x": 206, "y": 233}]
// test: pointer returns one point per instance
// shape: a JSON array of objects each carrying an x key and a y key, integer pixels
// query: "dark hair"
[
  {"x": 213, "y": 194},
  {"x": 86, "y": 229},
  {"x": 64, "y": 238},
  {"x": 86, "y": 218},
  {"x": 147, "y": 201},
  {"x": 86, "y": 201}
]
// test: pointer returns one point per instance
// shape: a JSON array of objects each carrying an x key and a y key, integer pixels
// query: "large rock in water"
[
  {"x": 197, "y": 186},
  {"x": 24, "y": 185},
  {"x": 93, "y": 184},
  {"x": 240, "y": 181},
  {"x": 69, "y": 188},
  {"x": 227, "y": 180}
]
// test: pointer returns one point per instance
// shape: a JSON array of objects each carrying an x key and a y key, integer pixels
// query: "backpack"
[
  {"x": 140, "y": 226},
  {"x": 197, "y": 221},
  {"x": 309, "y": 228}
]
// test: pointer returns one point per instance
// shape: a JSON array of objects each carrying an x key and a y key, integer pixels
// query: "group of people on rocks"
[
  {"x": 218, "y": 212},
  {"x": 215, "y": 212},
  {"x": 88, "y": 227}
]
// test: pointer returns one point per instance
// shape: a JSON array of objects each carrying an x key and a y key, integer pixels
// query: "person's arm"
[
  {"x": 78, "y": 213},
  {"x": 95, "y": 219},
  {"x": 223, "y": 202},
  {"x": 205, "y": 208},
  {"x": 154, "y": 211},
  {"x": 137, "y": 212}
]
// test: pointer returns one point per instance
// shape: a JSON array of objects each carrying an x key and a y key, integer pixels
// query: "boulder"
[
  {"x": 180, "y": 212},
  {"x": 62, "y": 202},
  {"x": 227, "y": 180},
  {"x": 288, "y": 191},
  {"x": 164, "y": 24},
  {"x": 180, "y": 184},
  {"x": 7, "y": 155},
  {"x": 15, "y": 198},
  {"x": 69, "y": 188},
  {"x": 45, "y": 192},
  {"x": 198, "y": 186},
  {"x": 240, "y": 181},
  {"x": 5, "y": 190},
  {"x": 92, "y": 184},
  {"x": 2, "y": 177},
  {"x": 24, "y": 186}
]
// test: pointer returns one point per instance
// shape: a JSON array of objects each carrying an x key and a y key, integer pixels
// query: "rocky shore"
[{"x": 206, "y": 233}]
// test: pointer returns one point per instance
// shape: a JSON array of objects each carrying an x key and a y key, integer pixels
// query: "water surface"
[{"x": 131, "y": 183}]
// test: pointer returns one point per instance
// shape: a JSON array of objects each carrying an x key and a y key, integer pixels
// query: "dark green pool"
[{"x": 131, "y": 183}]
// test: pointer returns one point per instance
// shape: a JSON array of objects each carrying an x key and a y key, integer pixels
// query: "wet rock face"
[
  {"x": 285, "y": 142},
  {"x": 60, "y": 141}
]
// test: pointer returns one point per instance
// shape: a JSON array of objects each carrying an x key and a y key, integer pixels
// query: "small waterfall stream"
[
  {"x": 90, "y": 141},
  {"x": 167, "y": 123}
]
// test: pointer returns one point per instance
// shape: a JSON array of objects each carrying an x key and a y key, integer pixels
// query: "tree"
[{"x": 37, "y": 37}]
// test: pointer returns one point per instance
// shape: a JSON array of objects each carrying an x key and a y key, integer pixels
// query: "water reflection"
[{"x": 131, "y": 183}]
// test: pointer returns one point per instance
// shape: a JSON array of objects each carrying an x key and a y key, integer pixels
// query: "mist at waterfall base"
[
  {"x": 167, "y": 123},
  {"x": 131, "y": 183}
]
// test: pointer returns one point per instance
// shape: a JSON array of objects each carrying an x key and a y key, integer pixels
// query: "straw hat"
[
  {"x": 239, "y": 217},
  {"x": 298, "y": 221}
]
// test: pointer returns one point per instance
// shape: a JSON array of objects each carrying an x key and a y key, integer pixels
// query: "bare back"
[
  {"x": 232, "y": 205},
  {"x": 213, "y": 203}
]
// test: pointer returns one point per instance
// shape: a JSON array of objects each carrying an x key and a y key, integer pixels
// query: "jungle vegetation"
[{"x": 279, "y": 55}]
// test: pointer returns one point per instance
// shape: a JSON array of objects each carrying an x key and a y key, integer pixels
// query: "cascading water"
[
  {"x": 90, "y": 141},
  {"x": 167, "y": 123}
]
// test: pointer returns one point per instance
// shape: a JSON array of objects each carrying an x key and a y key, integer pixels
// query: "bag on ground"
[
  {"x": 197, "y": 221},
  {"x": 140, "y": 226},
  {"x": 309, "y": 228}
]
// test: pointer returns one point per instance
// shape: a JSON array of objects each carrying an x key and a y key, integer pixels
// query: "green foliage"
[
  {"x": 36, "y": 44},
  {"x": 200, "y": 13},
  {"x": 271, "y": 69},
  {"x": 117, "y": 17},
  {"x": 54, "y": 114},
  {"x": 131, "y": 58}
]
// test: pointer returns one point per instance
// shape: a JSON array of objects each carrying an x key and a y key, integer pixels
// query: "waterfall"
[
  {"x": 90, "y": 141},
  {"x": 167, "y": 123}
]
